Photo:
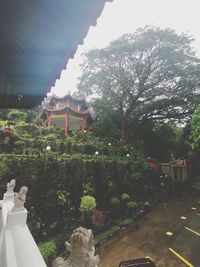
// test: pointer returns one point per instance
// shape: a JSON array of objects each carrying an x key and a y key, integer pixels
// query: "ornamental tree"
[{"x": 150, "y": 74}]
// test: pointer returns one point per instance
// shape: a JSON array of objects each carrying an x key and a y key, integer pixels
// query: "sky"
[{"x": 125, "y": 16}]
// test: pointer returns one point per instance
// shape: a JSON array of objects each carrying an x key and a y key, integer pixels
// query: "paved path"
[{"x": 150, "y": 239}]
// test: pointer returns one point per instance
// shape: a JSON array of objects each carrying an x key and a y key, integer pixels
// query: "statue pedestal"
[{"x": 17, "y": 218}]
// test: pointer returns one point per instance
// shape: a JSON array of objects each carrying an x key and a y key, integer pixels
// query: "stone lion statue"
[
  {"x": 81, "y": 248},
  {"x": 10, "y": 186},
  {"x": 20, "y": 198}
]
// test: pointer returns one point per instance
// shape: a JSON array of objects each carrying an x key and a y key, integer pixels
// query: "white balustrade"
[{"x": 17, "y": 246}]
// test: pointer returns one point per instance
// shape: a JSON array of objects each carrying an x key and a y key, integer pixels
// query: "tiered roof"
[{"x": 77, "y": 106}]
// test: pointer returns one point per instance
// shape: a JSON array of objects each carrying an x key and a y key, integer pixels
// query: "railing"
[
  {"x": 17, "y": 246},
  {"x": 178, "y": 170}
]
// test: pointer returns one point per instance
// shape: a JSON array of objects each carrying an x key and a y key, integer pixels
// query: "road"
[{"x": 180, "y": 216}]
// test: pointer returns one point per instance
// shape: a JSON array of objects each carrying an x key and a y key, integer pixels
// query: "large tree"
[{"x": 151, "y": 74}]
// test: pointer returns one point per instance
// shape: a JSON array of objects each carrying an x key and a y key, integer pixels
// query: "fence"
[{"x": 180, "y": 171}]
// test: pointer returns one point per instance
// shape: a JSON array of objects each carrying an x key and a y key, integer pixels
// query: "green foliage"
[
  {"x": 127, "y": 221},
  {"x": 88, "y": 187},
  {"x": 125, "y": 197},
  {"x": 63, "y": 198},
  {"x": 101, "y": 238},
  {"x": 48, "y": 250},
  {"x": 3, "y": 123},
  {"x": 195, "y": 129},
  {"x": 19, "y": 143},
  {"x": 162, "y": 140},
  {"x": 150, "y": 74},
  {"x": 51, "y": 137},
  {"x": 114, "y": 201},
  {"x": 17, "y": 115},
  {"x": 50, "y": 176},
  {"x": 88, "y": 204},
  {"x": 132, "y": 205}
]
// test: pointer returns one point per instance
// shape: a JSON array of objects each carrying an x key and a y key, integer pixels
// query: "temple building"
[{"x": 68, "y": 113}]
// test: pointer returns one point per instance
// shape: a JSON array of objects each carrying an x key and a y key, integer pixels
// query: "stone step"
[
  {"x": 196, "y": 184},
  {"x": 196, "y": 178},
  {"x": 195, "y": 187}
]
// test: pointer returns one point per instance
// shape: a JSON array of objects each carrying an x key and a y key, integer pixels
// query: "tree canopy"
[
  {"x": 151, "y": 74},
  {"x": 195, "y": 129}
]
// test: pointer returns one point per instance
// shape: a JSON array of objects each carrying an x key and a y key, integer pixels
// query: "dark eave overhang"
[{"x": 37, "y": 38}]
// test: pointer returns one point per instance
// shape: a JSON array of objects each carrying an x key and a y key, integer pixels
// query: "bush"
[
  {"x": 88, "y": 204},
  {"x": 132, "y": 205},
  {"x": 88, "y": 187},
  {"x": 114, "y": 201},
  {"x": 52, "y": 137},
  {"x": 48, "y": 250},
  {"x": 125, "y": 196},
  {"x": 87, "y": 207},
  {"x": 127, "y": 221},
  {"x": 63, "y": 198},
  {"x": 51, "y": 176},
  {"x": 3, "y": 123},
  {"x": 101, "y": 238}
]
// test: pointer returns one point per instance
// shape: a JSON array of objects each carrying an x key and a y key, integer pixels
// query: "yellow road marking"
[
  {"x": 194, "y": 232},
  {"x": 169, "y": 233},
  {"x": 193, "y": 208},
  {"x": 198, "y": 214},
  {"x": 183, "y": 217},
  {"x": 181, "y": 258}
]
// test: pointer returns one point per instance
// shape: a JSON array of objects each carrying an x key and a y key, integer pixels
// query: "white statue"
[
  {"x": 81, "y": 248},
  {"x": 59, "y": 262},
  {"x": 10, "y": 186},
  {"x": 20, "y": 198}
]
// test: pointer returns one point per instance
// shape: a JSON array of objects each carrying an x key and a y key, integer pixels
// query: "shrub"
[
  {"x": 101, "y": 238},
  {"x": 125, "y": 196},
  {"x": 52, "y": 137},
  {"x": 3, "y": 123},
  {"x": 88, "y": 187},
  {"x": 132, "y": 205},
  {"x": 87, "y": 207},
  {"x": 17, "y": 115},
  {"x": 19, "y": 143},
  {"x": 63, "y": 198},
  {"x": 48, "y": 250},
  {"x": 88, "y": 204},
  {"x": 127, "y": 221},
  {"x": 51, "y": 176},
  {"x": 114, "y": 201}
]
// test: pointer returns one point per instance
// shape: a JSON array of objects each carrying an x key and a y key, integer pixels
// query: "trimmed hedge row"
[{"x": 57, "y": 182}]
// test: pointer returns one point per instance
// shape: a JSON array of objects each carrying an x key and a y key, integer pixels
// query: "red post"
[
  {"x": 66, "y": 123},
  {"x": 49, "y": 120},
  {"x": 84, "y": 123}
]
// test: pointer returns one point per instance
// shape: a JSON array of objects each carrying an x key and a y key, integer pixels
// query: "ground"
[{"x": 149, "y": 237}]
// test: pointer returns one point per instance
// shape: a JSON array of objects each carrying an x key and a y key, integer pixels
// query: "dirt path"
[{"x": 150, "y": 239}]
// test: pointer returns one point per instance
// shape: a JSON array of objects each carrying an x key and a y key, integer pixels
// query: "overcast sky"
[{"x": 125, "y": 16}]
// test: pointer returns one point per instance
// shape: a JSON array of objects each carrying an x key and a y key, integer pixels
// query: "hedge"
[{"x": 56, "y": 184}]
